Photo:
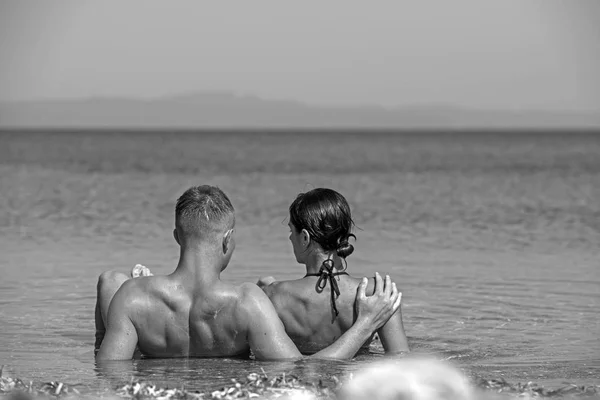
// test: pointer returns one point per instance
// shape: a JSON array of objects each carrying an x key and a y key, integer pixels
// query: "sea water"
[{"x": 493, "y": 238}]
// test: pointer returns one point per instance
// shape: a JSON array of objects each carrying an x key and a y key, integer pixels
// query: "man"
[{"x": 191, "y": 313}]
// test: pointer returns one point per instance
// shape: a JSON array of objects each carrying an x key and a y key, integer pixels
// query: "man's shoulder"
[
  {"x": 142, "y": 283},
  {"x": 249, "y": 291},
  {"x": 139, "y": 290},
  {"x": 247, "y": 300},
  {"x": 251, "y": 296}
]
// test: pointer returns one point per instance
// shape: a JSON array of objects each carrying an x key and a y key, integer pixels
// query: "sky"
[{"x": 485, "y": 54}]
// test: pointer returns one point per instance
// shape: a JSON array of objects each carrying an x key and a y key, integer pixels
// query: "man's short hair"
[{"x": 203, "y": 211}]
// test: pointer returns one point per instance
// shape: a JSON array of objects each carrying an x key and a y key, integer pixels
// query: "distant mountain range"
[{"x": 225, "y": 110}]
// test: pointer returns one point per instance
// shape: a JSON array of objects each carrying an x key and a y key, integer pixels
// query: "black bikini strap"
[{"x": 326, "y": 273}]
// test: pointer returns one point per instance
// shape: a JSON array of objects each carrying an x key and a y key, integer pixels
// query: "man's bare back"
[
  {"x": 174, "y": 317},
  {"x": 309, "y": 318},
  {"x": 192, "y": 313}
]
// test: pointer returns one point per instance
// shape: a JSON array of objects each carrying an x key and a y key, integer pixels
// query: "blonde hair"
[{"x": 408, "y": 379}]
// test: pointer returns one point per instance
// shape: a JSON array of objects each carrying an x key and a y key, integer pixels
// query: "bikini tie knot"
[{"x": 326, "y": 274}]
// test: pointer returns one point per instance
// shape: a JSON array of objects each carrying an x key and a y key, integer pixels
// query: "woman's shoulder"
[
  {"x": 283, "y": 286},
  {"x": 356, "y": 279}
]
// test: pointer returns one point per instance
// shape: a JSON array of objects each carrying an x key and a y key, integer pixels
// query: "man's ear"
[
  {"x": 176, "y": 236},
  {"x": 227, "y": 240},
  {"x": 305, "y": 237}
]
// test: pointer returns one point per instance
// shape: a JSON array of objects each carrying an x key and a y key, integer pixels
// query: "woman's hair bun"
[{"x": 344, "y": 249}]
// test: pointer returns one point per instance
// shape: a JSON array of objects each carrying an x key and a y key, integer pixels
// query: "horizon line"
[{"x": 299, "y": 103}]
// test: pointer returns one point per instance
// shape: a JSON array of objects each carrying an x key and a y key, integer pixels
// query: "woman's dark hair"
[{"x": 325, "y": 214}]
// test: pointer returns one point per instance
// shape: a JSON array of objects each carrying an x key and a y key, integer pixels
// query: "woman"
[{"x": 319, "y": 307}]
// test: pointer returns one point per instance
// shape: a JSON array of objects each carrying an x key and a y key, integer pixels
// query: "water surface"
[{"x": 493, "y": 238}]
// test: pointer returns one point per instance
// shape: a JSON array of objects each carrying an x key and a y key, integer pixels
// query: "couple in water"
[{"x": 192, "y": 313}]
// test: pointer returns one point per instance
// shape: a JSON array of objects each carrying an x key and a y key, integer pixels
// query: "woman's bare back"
[{"x": 308, "y": 313}]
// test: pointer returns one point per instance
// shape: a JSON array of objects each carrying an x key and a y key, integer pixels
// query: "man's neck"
[{"x": 198, "y": 266}]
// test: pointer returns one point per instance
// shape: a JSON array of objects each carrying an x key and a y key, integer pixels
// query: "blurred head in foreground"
[{"x": 407, "y": 379}]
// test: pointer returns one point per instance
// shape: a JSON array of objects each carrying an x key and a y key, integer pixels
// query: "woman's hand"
[{"x": 265, "y": 281}]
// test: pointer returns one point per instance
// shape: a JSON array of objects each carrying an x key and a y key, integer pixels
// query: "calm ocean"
[{"x": 493, "y": 238}]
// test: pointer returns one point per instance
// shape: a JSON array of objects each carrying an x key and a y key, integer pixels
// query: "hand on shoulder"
[
  {"x": 265, "y": 281},
  {"x": 377, "y": 309}
]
